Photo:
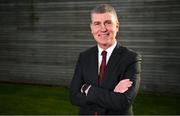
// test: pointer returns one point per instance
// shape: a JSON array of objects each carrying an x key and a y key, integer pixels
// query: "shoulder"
[
  {"x": 129, "y": 54},
  {"x": 89, "y": 51}
]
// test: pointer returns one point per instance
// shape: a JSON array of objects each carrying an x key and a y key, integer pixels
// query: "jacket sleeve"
[
  {"x": 118, "y": 101},
  {"x": 76, "y": 97}
]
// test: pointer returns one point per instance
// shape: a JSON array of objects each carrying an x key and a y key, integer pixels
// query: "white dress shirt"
[{"x": 109, "y": 52}]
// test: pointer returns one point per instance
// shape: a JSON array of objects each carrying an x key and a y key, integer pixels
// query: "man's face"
[{"x": 104, "y": 28}]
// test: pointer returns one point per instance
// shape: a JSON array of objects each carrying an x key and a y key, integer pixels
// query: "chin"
[{"x": 103, "y": 44}]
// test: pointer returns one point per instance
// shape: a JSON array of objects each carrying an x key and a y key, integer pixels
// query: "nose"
[{"x": 103, "y": 27}]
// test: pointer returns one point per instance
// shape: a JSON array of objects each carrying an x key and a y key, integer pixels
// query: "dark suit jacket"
[{"x": 122, "y": 64}]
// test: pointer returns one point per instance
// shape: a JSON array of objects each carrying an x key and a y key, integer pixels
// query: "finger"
[
  {"x": 123, "y": 90},
  {"x": 129, "y": 85},
  {"x": 124, "y": 81}
]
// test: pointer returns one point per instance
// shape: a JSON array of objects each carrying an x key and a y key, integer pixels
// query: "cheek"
[
  {"x": 112, "y": 29},
  {"x": 94, "y": 31}
]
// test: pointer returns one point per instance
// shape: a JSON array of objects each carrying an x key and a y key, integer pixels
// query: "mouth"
[{"x": 103, "y": 34}]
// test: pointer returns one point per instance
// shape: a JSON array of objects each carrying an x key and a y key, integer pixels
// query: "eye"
[
  {"x": 108, "y": 22},
  {"x": 97, "y": 23}
]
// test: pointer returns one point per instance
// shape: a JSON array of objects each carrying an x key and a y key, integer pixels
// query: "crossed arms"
[
  {"x": 121, "y": 87},
  {"x": 119, "y": 98}
]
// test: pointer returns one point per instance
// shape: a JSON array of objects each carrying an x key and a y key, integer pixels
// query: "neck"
[{"x": 106, "y": 46}]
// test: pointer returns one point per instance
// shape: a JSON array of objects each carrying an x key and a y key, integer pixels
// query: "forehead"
[{"x": 103, "y": 17}]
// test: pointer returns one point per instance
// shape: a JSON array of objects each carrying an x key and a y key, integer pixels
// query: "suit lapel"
[{"x": 112, "y": 63}]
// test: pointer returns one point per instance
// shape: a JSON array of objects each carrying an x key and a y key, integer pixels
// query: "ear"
[{"x": 117, "y": 25}]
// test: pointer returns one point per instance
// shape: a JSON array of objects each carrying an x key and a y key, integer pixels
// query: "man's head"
[{"x": 104, "y": 25}]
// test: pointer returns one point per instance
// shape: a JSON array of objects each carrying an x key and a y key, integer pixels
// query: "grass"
[
  {"x": 157, "y": 104},
  {"x": 29, "y": 99},
  {"x": 32, "y": 99}
]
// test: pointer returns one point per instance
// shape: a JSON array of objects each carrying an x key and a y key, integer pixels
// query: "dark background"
[{"x": 40, "y": 39}]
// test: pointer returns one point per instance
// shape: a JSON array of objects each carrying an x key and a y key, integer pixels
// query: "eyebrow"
[
  {"x": 100, "y": 21},
  {"x": 96, "y": 21}
]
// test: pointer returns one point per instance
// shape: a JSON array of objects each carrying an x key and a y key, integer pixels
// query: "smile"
[{"x": 104, "y": 34}]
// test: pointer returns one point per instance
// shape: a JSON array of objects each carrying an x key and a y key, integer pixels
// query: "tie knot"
[{"x": 103, "y": 53}]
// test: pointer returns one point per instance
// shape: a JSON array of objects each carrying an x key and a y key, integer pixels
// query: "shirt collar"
[{"x": 109, "y": 50}]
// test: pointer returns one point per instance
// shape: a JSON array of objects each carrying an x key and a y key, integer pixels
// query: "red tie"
[{"x": 103, "y": 65}]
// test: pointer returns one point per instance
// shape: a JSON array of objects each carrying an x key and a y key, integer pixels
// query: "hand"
[{"x": 123, "y": 86}]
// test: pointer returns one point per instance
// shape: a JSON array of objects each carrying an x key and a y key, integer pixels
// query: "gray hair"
[{"x": 104, "y": 8}]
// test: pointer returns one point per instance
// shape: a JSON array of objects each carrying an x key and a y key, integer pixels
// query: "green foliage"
[{"x": 32, "y": 99}]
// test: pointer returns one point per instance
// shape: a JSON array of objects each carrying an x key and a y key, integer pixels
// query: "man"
[{"x": 107, "y": 76}]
